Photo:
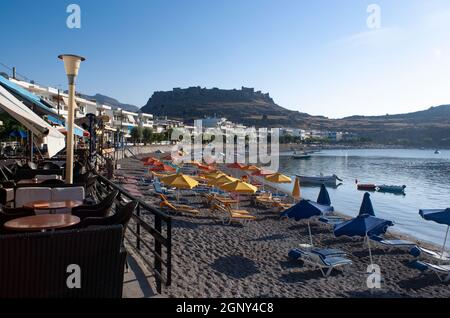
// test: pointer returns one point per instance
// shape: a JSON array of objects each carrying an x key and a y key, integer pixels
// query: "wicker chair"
[
  {"x": 99, "y": 210},
  {"x": 122, "y": 216},
  {"x": 36, "y": 265}
]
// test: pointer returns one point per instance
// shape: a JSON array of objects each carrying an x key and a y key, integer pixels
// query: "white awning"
[
  {"x": 131, "y": 118},
  {"x": 39, "y": 127},
  {"x": 66, "y": 102}
]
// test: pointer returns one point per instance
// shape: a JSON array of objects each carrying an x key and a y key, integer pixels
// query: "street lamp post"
[{"x": 71, "y": 65}]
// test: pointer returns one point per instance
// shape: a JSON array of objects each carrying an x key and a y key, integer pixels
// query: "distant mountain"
[
  {"x": 430, "y": 127},
  {"x": 106, "y": 100},
  {"x": 433, "y": 114},
  {"x": 247, "y": 106}
]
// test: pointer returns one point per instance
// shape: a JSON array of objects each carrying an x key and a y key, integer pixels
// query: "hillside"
[
  {"x": 429, "y": 127},
  {"x": 244, "y": 106},
  {"x": 106, "y": 100}
]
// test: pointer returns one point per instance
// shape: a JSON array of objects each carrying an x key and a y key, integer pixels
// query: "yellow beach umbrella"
[
  {"x": 215, "y": 175},
  {"x": 239, "y": 187},
  {"x": 296, "y": 190},
  {"x": 179, "y": 181},
  {"x": 278, "y": 178},
  {"x": 251, "y": 168},
  {"x": 221, "y": 180}
]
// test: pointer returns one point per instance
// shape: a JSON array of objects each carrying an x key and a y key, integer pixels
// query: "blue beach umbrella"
[
  {"x": 438, "y": 216},
  {"x": 324, "y": 197},
  {"x": 19, "y": 133},
  {"x": 306, "y": 209},
  {"x": 366, "y": 206},
  {"x": 363, "y": 226}
]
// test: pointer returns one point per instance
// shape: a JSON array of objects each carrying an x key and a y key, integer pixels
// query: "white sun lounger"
[
  {"x": 325, "y": 260},
  {"x": 432, "y": 254},
  {"x": 392, "y": 243},
  {"x": 331, "y": 219},
  {"x": 442, "y": 271}
]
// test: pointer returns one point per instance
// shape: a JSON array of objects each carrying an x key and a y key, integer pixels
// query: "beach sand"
[{"x": 213, "y": 260}]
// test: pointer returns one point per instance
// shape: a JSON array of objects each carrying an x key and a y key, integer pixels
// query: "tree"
[
  {"x": 136, "y": 134},
  {"x": 147, "y": 135},
  {"x": 9, "y": 125}
]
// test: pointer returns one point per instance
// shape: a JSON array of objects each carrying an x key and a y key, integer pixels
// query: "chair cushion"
[
  {"x": 336, "y": 260},
  {"x": 63, "y": 194},
  {"x": 27, "y": 195},
  {"x": 47, "y": 177}
]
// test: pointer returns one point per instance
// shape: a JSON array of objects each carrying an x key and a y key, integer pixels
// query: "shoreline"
[
  {"x": 392, "y": 231},
  {"x": 213, "y": 260}
]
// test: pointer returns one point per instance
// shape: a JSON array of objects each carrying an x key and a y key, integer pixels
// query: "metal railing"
[{"x": 149, "y": 233}]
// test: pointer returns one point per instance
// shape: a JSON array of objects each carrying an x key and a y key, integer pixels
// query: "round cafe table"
[
  {"x": 42, "y": 223},
  {"x": 52, "y": 206}
]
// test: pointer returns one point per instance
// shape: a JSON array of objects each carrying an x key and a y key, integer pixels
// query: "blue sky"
[{"x": 315, "y": 56}]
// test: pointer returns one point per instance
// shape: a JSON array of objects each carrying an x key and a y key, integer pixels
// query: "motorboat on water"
[
  {"x": 437, "y": 152},
  {"x": 301, "y": 155},
  {"x": 327, "y": 180},
  {"x": 366, "y": 187},
  {"x": 392, "y": 189}
]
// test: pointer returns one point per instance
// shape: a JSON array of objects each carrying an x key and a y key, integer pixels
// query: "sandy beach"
[{"x": 215, "y": 260}]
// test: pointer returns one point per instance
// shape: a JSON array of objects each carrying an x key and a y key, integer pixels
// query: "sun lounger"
[
  {"x": 441, "y": 271},
  {"x": 392, "y": 243},
  {"x": 228, "y": 215},
  {"x": 324, "y": 260},
  {"x": 228, "y": 209},
  {"x": 144, "y": 182},
  {"x": 161, "y": 190},
  {"x": 282, "y": 206},
  {"x": 418, "y": 251},
  {"x": 178, "y": 208},
  {"x": 331, "y": 219},
  {"x": 212, "y": 198},
  {"x": 235, "y": 211}
]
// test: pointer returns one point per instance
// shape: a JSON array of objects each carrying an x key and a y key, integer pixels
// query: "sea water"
[{"x": 425, "y": 174}]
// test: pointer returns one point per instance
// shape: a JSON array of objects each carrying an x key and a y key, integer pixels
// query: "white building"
[{"x": 117, "y": 119}]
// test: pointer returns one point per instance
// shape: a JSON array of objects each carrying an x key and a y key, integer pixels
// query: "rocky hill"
[
  {"x": 245, "y": 106},
  {"x": 430, "y": 127},
  {"x": 114, "y": 103}
]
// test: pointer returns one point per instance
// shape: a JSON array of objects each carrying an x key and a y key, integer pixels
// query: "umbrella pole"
[
  {"x": 370, "y": 250},
  {"x": 445, "y": 241},
  {"x": 310, "y": 235}
]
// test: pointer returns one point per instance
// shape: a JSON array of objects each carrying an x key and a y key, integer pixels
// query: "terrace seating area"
[{"x": 60, "y": 229}]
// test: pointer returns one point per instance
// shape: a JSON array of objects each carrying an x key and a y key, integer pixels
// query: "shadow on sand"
[
  {"x": 273, "y": 237},
  {"x": 235, "y": 266}
]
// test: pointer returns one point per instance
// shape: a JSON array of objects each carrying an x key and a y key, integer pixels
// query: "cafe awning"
[
  {"x": 78, "y": 131},
  {"x": 22, "y": 94},
  {"x": 131, "y": 118},
  {"x": 33, "y": 122}
]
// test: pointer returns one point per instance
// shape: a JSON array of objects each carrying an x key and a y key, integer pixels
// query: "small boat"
[
  {"x": 392, "y": 189},
  {"x": 437, "y": 152},
  {"x": 319, "y": 179},
  {"x": 367, "y": 187},
  {"x": 303, "y": 155}
]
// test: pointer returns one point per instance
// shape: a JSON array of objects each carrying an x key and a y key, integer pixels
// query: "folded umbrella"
[
  {"x": 363, "y": 226},
  {"x": 366, "y": 206},
  {"x": 439, "y": 216}
]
